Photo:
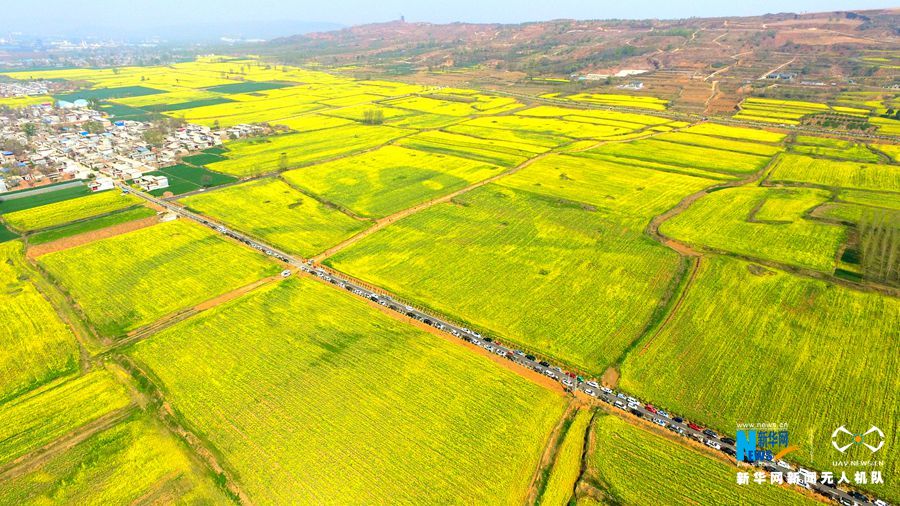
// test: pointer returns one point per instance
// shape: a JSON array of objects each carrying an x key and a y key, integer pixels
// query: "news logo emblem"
[
  {"x": 753, "y": 445},
  {"x": 841, "y": 435}
]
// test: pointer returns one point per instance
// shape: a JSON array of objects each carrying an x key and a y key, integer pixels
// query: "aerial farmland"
[{"x": 247, "y": 279}]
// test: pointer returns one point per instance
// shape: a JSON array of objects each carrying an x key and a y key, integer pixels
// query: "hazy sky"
[{"x": 40, "y": 15}]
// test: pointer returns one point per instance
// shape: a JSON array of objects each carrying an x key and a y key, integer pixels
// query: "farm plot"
[
  {"x": 886, "y": 200},
  {"x": 259, "y": 156},
  {"x": 90, "y": 225},
  {"x": 456, "y": 106},
  {"x": 187, "y": 178},
  {"x": 627, "y": 194},
  {"x": 132, "y": 279},
  {"x": 424, "y": 121},
  {"x": 683, "y": 155},
  {"x": 320, "y": 406},
  {"x": 834, "y": 148},
  {"x": 30, "y": 421},
  {"x": 278, "y": 214},
  {"x": 791, "y": 168},
  {"x": 806, "y": 351},
  {"x": 312, "y": 122},
  {"x": 248, "y": 111},
  {"x": 723, "y": 220},
  {"x": 640, "y": 102},
  {"x": 567, "y": 465},
  {"x": 614, "y": 118},
  {"x": 126, "y": 464},
  {"x": 497, "y": 152},
  {"x": 554, "y": 127},
  {"x": 733, "y": 132},
  {"x": 37, "y": 346},
  {"x": 58, "y": 213},
  {"x": 388, "y": 180},
  {"x": 14, "y": 201},
  {"x": 500, "y": 134},
  {"x": 692, "y": 139},
  {"x": 523, "y": 267},
  {"x": 892, "y": 150},
  {"x": 638, "y": 466},
  {"x": 787, "y": 112}
]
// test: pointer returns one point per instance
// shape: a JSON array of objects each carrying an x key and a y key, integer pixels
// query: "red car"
[
  {"x": 571, "y": 375},
  {"x": 695, "y": 426},
  {"x": 650, "y": 408}
]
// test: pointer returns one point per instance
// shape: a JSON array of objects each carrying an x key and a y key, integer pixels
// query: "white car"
[
  {"x": 567, "y": 382},
  {"x": 590, "y": 392},
  {"x": 593, "y": 384},
  {"x": 782, "y": 463},
  {"x": 712, "y": 444},
  {"x": 606, "y": 390}
]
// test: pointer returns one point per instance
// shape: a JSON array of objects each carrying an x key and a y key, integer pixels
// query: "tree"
[
  {"x": 94, "y": 127},
  {"x": 215, "y": 125},
  {"x": 154, "y": 137},
  {"x": 283, "y": 162},
  {"x": 30, "y": 130}
]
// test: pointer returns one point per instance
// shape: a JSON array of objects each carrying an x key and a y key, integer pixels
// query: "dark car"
[
  {"x": 710, "y": 433},
  {"x": 729, "y": 451},
  {"x": 678, "y": 419},
  {"x": 856, "y": 495},
  {"x": 728, "y": 441},
  {"x": 544, "y": 363},
  {"x": 637, "y": 413},
  {"x": 531, "y": 357}
]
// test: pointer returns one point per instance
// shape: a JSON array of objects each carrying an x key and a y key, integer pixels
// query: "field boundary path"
[
  {"x": 635, "y": 412},
  {"x": 387, "y": 220}
]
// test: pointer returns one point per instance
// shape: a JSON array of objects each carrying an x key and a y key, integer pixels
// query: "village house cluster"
[{"x": 75, "y": 142}]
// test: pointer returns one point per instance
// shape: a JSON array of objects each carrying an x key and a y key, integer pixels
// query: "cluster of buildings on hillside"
[
  {"x": 23, "y": 88},
  {"x": 53, "y": 144}
]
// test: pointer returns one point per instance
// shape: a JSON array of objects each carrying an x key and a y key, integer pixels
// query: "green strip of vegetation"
[
  {"x": 8, "y": 206},
  {"x": 90, "y": 225},
  {"x": 247, "y": 87}
]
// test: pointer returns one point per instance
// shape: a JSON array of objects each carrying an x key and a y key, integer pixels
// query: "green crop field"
[
  {"x": 6, "y": 234},
  {"x": 388, "y": 180},
  {"x": 90, "y": 225},
  {"x": 810, "y": 354},
  {"x": 722, "y": 221},
  {"x": 10, "y": 204},
  {"x": 705, "y": 158},
  {"x": 694, "y": 139},
  {"x": 320, "y": 407},
  {"x": 502, "y": 134},
  {"x": 42, "y": 415},
  {"x": 497, "y": 152},
  {"x": 567, "y": 465},
  {"x": 134, "y": 461},
  {"x": 67, "y": 211},
  {"x": 629, "y": 194},
  {"x": 251, "y": 157},
  {"x": 275, "y": 212},
  {"x": 525, "y": 267},
  {"x": 834, "y": 148},
  {"x": 247, "y": 87},
  {"x": 832, "y": 173},
  {"x": 732, "y": 132},
  {"x": 631, "y": 465},
  {"x": 552, "y": 126},
  {"x": 37, "y": 346},
  {"x": 130, "y": 280}
]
